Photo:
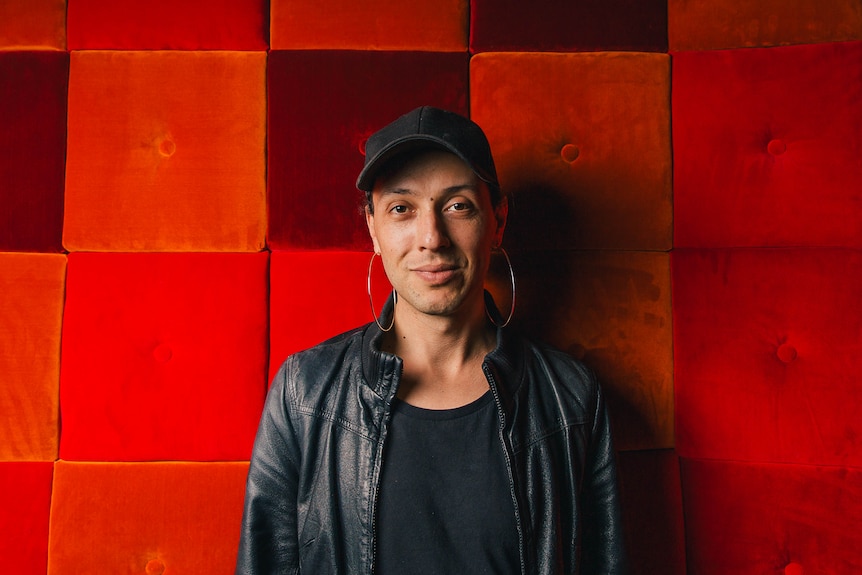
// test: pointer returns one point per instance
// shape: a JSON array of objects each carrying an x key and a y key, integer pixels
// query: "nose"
[{"x": 432, "y": 232}]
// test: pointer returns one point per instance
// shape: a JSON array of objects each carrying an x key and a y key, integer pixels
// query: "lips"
[{"x": 436, "y": 273}]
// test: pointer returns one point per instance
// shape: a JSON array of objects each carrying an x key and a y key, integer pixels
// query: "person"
[{"x": 433, "y": 439}]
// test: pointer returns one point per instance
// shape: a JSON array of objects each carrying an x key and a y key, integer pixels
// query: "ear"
[
  {"x": 369, "y": 221},
  {"x": 501, "y": 214}
]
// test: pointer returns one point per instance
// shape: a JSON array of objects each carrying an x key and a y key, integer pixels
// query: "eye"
[
  {"x": 459, "y": 207},
  {"x": 398, "y": 209}
]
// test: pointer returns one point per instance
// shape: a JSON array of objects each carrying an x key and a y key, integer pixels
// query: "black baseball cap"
[{"x": 434, "y": 128}]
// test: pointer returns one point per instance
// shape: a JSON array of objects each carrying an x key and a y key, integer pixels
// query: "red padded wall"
[{"x": 164, "y": 356}]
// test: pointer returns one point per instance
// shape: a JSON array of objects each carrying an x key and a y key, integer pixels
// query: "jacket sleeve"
[
  {"x": 268, "y": 540},
  {"x": 603, "y": 545}
]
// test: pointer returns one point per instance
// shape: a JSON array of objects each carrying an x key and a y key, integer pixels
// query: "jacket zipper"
[{"x": 501, "y": 432}]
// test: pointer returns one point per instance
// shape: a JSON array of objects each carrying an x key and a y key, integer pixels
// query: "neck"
[{"x": 442, "y": 356}]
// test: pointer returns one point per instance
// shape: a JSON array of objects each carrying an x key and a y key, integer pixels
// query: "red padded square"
[
  {"x": 318, "y": 295},
  {"x": 751, "y": 519},
  {"x": 25, "y": 502},
  {"x": 551, "y": 25},
  {"x": 168, "y": 25},
  {"x": 32, "y": 24},
  {"x": 766, "y": 147},
  {"x": 741, "y": 23},
  {"x": 652, "y": 512},
  {"x": 613, "y": 311},
  {"x": 166, "y": 151},
  {"x": 164, "y": 356},
  {"x": 768, "y": 352},
  {"x": 322, "y": 108},
  {"x": 582, "y": 143},
  {"x": 428, "y": 25},
  {"x": 31, "y": 312},
  {"x": 33, "y": 149},
  {"x": 146, "y": 518}
]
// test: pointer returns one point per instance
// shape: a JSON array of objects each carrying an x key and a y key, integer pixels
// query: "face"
[{"x": 434, "y": 226}]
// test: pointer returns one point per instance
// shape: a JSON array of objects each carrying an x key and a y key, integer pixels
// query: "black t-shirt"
[{"x": 445, "y": 502}]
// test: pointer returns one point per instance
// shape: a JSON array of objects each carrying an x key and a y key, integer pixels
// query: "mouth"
[{"x": 436, "y": 274}]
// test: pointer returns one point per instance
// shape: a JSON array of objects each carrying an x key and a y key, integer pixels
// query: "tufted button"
[
  {"x": 167, "y": 148},
  {"x": 163, "y": 353},
  {"x": 570, "y": 153},
  {"x": 776, "y": 147},
  {"x": 786, "y": 352},
  {"x": 794, "y": 569},
  {"x": 155, "y": 567}
]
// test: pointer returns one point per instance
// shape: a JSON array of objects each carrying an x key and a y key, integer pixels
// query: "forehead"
[{"x": 426, "y": 167}]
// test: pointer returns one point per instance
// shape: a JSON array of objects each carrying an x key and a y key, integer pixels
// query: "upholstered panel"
[
  {"x": 32, "y": 25},
  {"x": 164, "y": 356},
  {"x": 25, "y": 502},
  {"x": 322, "y": 107},
  {"x": 613, "y": 310},
  {"x": 552, "y": 25},
  {"x": 168, "y": 25},
  {"x": 33, "y": 89},
  {"x": 768, "y": 352},
  {"x": 31, "y": 311},
  {"x": 432, "y": 25},
  {"x": 582, "y": 141},
  {"x": 166, "y": 151},
  {"x": 153, "y": 518},
  {"x": 741, "y": 23},
  {"x": 652, "y": 511},
  {"x": 752, "y": 519},
  {"x": 767, "y": 146},
  {"x": 316, "y": 295}
]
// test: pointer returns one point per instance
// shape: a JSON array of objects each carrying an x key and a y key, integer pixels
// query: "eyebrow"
[{"x": 448, "y": 191}]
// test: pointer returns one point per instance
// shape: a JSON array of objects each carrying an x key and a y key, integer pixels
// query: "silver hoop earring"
[
  {"x": 512, "y": 279},
  {"x": 371, "y": 300}
]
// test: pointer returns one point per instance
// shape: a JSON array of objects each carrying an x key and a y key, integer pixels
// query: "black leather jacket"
[{"x": 314, "y": 475}]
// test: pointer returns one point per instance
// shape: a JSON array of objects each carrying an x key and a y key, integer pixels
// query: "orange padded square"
[
  {"x": 32, "y": 25},
  {"x": 31, "y": 312},
  {"x": 741, "y": 23},
  {"x": 582, "y": 141},
  {"x": 25, "y": 501},
  {"x": 164, "y": 356},
  {"x": 168, "y": 25},
  {"x": 751, "y": 519},
  {"x": 613, "y": 311},
  {"x": 768, "y": 354},
  {"x": 428, "y": 25},
  {"x": 148, "y": 518},
  {"x": 166, "y": 152},
  {"x": 318, "y": 295}
]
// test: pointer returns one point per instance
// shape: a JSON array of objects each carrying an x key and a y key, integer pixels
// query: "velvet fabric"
[
  {"x": 145, "y": 518},
  {"x": 767, "y": 146},
  {"x": 573, "y": 25},
  {"x": 741, "y": 23},
  {"x": 768, "y": 352},
  {"x": 613, "y": 311},
  {"x": 32, "y": 25},
  {"x": 752, "y": 519},
  {"x": 33, "y": 87},
  {"x": 651, "y": 495},
  {"x": 428, "y": 25},
  {"x": 323, "y": 105},
  {"x": 164, "y": 356},
  {"x": 25, "y": 502},
  {"x": 31, "y": 311},
  {"x": 582, "y": 142},
  {"x": 166, "y": 152},
  {"x": 168, "y": 25},
  {"x": 317, "y": 295}
]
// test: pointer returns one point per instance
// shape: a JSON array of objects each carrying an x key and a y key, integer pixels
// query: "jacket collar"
[{"x": 382, "y": 370}]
